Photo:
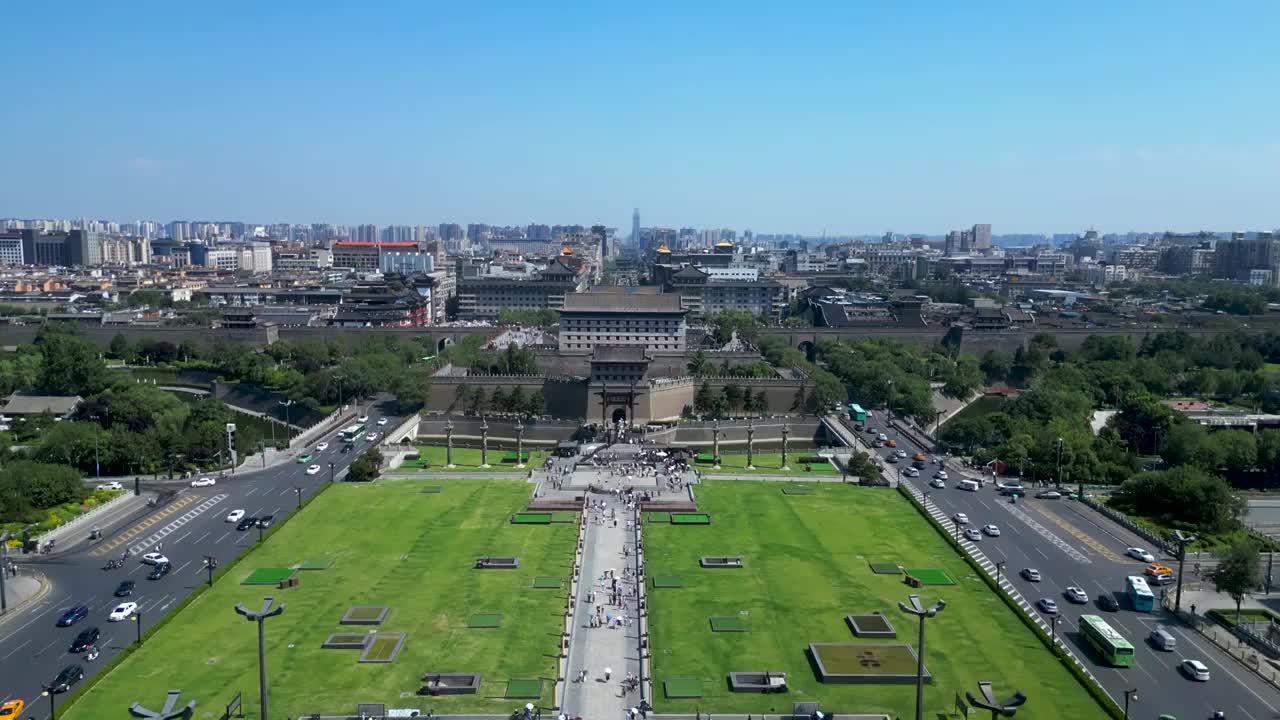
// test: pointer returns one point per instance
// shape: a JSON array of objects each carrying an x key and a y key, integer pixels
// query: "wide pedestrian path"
[{"x": 604, "y": 646}]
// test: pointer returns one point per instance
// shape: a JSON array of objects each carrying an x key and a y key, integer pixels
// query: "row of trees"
[
  {"x": 28, "y": 489},
  {"x": 474, "y": 398},
  {"x": 729, "y": 400},
  {"x": 700, "y": 365},
  {"x": 888, "y": 373}
]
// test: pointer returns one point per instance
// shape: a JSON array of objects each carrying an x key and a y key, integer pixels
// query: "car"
[
  {"x": 362, "y": 419},
  {"x": 1048, "y": 606},
  {"x": 900, "y": 453},
  {"x": 69, "y": 676},
  {"x": 159, "y": 571},
  {"x": 873, "y": 430},
  {"x": 882, "y": 437},
  {"x": 204, "y": 482},
  {"x": 73, "y": 616},
  {"x": 891, "y": 458},
  {"x": 941, "y": 474},
  {"x": 1195, "y": 670},
  {"x": 936, "y": 482},
  {"x": 891, "y": 442},
  {"x": 111, "y": 486},
  {"x": 246, "y": 522},
  {"x": 1155, "y": 569},
  {"x": 313, "y": 470},
  {"x": 972, "y": 534},
  {"x": 961, "y": 518},
  {"x": 1140, "y": 554},
  {"x": 382, "y": 421},
  {"x": 918, "y": 457},
  {"x": 12, "y": 709},
  {"x": 912, "y": 472},
  {"x": 877, "y": 443},
  {"x": 124, "y": 589},
  {"x": 304, "y": 459},
  {"x": 265, "y": 521},
  {"x": 371, "y": 436},
  {"x": 1108, "y": 602},
  {"x": 992, "y": 530},
  {"x": 1163, "y": 579},
  {"x": 123, "y": 611},
  {"x": 154, "y": 558},
  {"x": 1076, "y": 595},
  {"x": 321, "y": 447},
  {"x": 87, "y": 637},
  {"x": 1049, "y": 495},
  {"x": 1030, "y": 574}
]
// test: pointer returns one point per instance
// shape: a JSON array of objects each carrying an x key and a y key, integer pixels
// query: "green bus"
[
  {"x": 856, "y": 413},
  {"x": 1109, "y": 644}
]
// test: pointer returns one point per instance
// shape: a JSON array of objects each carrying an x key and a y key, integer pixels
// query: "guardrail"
[
  {"x": 1128, "y": 523},
  {"x": 59, "y": 532}
]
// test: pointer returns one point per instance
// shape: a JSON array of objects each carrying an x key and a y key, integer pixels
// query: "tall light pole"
[
  {"x": 48, "y": 692},
  {"x": 288, "y": 426},
  {"x": 260, "y": 617},
  {"x": 999, "y": 570},
  {"x": 999, "y": 708},
  {"x": 914, "y": 607},
  {"x": 1059, "y": 464},
  {"x": 1127, "y": 695},
  {"x": 97, "y": 464},
  {"x": 136, "y": 617},
  {"x": 1053, "y": 630},
  {"x": 298, "y": 491},
  {"x": 210, "y": 562},
  {"x": 1185, "y": 539},
  {"x": 4, "y": 570},
  {"x": 331, "y": 480}
]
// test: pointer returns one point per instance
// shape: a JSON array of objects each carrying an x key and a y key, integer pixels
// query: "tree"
[
  {"x": 1238, "y": 572},
  {"x": 1184, "y": 497},
  {"x": 516, "y": 402},
  {"x": 537, "y": 403},
  {"x": 996, "y": 365},
  {"x": 704, "y": 401},
  {"x": 799, "y": 402},
  {"x": 366, "y": 467},
  {"x": 499, "y": 401},
  {"x": 413, "y": 388},
  {"x": 732, "y": 397},
  {"x": 70, "y": 365},
  {"x": 479, "y": 400},
  {"x": 1237, "y": 449},
  {"x": 965, "y": 378},
  {"x": 699, "y": 364},
  {"x": 119, "y": 346}
]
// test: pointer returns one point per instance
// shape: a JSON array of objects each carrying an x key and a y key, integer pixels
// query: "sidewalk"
[
  {"x": 21, "y": 589},
  {"x": 593, "y": 649}
]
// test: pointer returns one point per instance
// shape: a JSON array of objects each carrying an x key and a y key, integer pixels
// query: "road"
[
  {"x": 33, "y": 650},
  {"x": 1073, "y": 546}
]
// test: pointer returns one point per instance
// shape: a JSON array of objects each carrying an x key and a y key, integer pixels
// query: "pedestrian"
[{"x": 608, "y": 672}]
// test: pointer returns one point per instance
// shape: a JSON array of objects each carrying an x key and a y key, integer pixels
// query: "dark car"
[
  {"x": 159, "y": 571},
  {"x": 125, "y": 588},
  {"x": 87, "y": 637},
  {"x": 73, "y": 616},
  {"x": 69, "y": 676},
  {"x": 1108, "y": 602},
  {"x": 247, "y": 522},
  {"x": 265, "y": 521}
]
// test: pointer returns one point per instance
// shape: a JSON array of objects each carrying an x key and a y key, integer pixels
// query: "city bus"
[
  {"x": 1110, "y": 645},
  {"x": 351, "y": 434},
  {"x": 856, "y": 413},
  {"x": 1139, "y": 593}
]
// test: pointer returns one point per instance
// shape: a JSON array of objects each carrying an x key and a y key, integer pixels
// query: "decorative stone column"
[
  {"x": 448, "y": 444},
  {"x": 751, "y": 439},
  {"x": 786, "y": 430},
  {"x": 484, "y": 442},
  {"x": 519, "y": 443},
  {"x": 715, "y": 443}
]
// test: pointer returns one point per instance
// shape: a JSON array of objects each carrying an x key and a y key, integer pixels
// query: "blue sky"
[{"x": 781, "y": 117}]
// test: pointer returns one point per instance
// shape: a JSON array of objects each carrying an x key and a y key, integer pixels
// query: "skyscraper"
[
  {"x": 635, "y": 227},
  {"x": 982, "y": 236}
]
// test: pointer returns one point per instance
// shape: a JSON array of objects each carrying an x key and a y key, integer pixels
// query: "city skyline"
[{"x": 853, "y": 120}]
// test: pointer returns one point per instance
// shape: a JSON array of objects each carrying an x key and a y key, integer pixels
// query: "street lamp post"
[
  {"x": 1127, "y": 695},
  {"x": 1000, "y": 570},
  {"x": 1053, "y": 630},
  {"x": 97, "y": 463},
  {"x": 448, "y": 443},
  {"x": 1059, "y": 464},
  {"x": 48, "y": 692},
  {"x": 137, "y": 621},
  {"x": 926, "y": 500},
  {"x": 260, "y": 618},
  {"x": 298, "y": 491},
  {"x": 288, "y": 425},
  {"x": 1183, "y": 540},
  {"x": 331, "y": 480},
  {"x": 4, "y": 570},
  {"x": 913, "y": 606},
  {"x": 210, "y": 562}
]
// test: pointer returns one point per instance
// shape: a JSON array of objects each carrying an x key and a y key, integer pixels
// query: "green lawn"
[
  {"x": 984, "y": 405},
  {"x": 806, "y": 567},
  {"x": 392, "y": 545},
  {"x": 432, "y": 457},
  {"x": 767, "y": 464}
]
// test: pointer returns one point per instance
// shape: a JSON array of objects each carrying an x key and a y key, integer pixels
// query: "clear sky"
[{"x": 846, "y": 116}]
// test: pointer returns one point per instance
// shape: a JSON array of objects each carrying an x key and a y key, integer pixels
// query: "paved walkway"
[
  {"x": 596, "y": 650},
  {"x": 19, "y": 589}
]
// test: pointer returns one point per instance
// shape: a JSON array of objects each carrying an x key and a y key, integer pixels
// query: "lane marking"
[
  {"x": 1091, "y": 542},
  {"x": 173, "y": 526},
  {"x": 136, "y": 530},
  {"x": 1070, "y": 550}
]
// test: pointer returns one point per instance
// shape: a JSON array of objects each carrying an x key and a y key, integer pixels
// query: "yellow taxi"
[
  {"x": 1158, "y": 569},
  {"x": 12, "y": 709}
]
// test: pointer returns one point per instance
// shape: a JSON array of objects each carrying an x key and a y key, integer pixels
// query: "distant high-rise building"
[
  {"x": 982, "y": 237},
  {"x": 635, "y": 227},
  {"x": 602, "y": 237}
]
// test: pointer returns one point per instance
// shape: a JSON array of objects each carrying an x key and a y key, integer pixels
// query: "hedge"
[
  {"x": 1112, "y": 709},
  {"x": 111, "y": 664},
  {"x": 1227, "y": 616}
]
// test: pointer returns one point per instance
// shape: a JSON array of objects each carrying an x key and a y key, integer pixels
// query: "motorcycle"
[
  {"x": 92, "y": 654},
  {"x": 113, "y": 565}
]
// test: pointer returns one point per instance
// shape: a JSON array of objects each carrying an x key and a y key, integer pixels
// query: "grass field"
[
  {"x": 767, "y": 464},
  {"x": 394, "y": 546},
  {"x": 806, "y": 568},
  {"x": 984, "y": 405},
  {"x": 432, "y": 457}
]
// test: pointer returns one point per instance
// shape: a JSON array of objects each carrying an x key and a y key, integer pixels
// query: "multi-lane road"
[
  {"x": 192, "y": 525},
  {"x": 1073, "y": 546}
]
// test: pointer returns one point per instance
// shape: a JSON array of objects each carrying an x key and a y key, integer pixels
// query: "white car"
[
  {"x": 1077, "y": 595},
  {"x": 204, "y": 482},
  {"x": 961, "y": 518},
  {"x": 371, "y": 437},
  {"x": 992, "y": 530},
  {"x": 941, "y": 474},
  {"x": 1048, "y": 607},
  {"x": 123, "y": 611},
  {"x": 111, "y": 486},
  {"x": 1031, "y": 574},
  {"x": 321, "y": 447},
  {"x": 154, "y": 558},
  {"x": 912, "y": 472},
  {"x": 1140, "y": 554},
  {"x": 382, "y": 421},
  {"x": 972, "y": 534},
  {"x": 235, "y": 516},
  {"x": 936, "y": 482},
  {"x": 362, "y": 419},
  {"x": 901, "y": 453},
  {"x": 313, "y": 470},
  {"x": 1195, "y": 670}
]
